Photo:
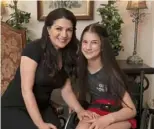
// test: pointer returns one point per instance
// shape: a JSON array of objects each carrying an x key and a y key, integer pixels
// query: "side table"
[{"x": 140, "y": 71}]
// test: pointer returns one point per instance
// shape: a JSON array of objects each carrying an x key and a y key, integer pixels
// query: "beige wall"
[
  {"x": 152, "y": 83},
  {"x": 145, "y": 36}
]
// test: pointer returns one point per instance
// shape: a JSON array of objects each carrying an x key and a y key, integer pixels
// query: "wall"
[
  {"x": 35, "y": 26},
  {"x": 145, "y": 46},
  {"x": 152, "y": 82}
]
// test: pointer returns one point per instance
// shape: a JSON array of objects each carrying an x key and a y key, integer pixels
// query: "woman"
[
  {"x": 111, "y": 103},
  {"x": 46, "y": 64}
]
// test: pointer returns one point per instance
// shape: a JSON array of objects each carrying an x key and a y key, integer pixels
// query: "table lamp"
[{"x": 135, "y": 6}]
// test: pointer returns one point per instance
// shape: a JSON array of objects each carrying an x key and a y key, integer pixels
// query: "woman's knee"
[{"x": 82, "y": 125}]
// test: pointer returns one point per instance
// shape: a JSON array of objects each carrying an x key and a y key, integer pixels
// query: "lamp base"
[{"x": 134, "y": 59}]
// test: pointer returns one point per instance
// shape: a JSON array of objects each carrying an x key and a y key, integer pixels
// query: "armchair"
[{"x": 12, "y": 43}]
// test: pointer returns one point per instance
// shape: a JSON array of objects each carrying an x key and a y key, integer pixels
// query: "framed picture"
[{"x": 83, "y": 9}]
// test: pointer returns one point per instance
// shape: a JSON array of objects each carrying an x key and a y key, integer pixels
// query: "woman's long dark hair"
[
  {"x": 117, "y": 81},
  {"x": 68, "y": 53}
]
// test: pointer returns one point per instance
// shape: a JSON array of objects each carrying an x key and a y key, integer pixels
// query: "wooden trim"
[
  {"x": 90, "y": 13},
  {"x": 88, "y": 16}
]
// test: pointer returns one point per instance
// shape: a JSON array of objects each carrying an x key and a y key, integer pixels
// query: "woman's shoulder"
[
  {"x": 33, "y": 50},
  {"x": 34, "y": 44}
]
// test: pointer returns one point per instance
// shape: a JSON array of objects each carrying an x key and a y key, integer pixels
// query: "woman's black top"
[{"x": 43, "y": 83}]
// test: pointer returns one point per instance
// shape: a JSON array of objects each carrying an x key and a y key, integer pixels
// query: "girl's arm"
[
  {"x": 27, "y": 71},
  {"x": 70, "y": 98},
  {"x": 126, "y": 112}
]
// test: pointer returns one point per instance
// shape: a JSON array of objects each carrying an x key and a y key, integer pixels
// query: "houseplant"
[
  {"x": 112, "y": 21},
  {"x": 18, "y": 19}
]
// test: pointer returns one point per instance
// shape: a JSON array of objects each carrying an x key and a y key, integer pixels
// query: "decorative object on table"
[
  {"x": 3, "y": 8},
  {"x": 82, "y": 9},
  {"x": 112, "y": 21},
  {"x": 135, "y": 6},
  {"x": 18, "y": 18},
  {"x": 151, "y": 104}
]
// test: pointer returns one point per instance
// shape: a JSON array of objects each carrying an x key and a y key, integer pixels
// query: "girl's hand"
[
  {"x": 47, "y": 126},
  {"x": 102, "y": 122},
  {"x": 85, "y": 114},
  {"x": 94, "y": 117}
]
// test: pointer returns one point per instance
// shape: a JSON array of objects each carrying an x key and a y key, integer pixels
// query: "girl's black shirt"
[{"x": 99, "y": 86}]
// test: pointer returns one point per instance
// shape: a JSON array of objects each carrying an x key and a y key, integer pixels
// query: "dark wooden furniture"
[{"x": 137, "y": 71}]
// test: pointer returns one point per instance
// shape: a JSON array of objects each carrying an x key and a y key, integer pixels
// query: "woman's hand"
[
  {"x": 47, "y": 126},
  {"x": 102, "y": 122},
  {"x": 95, "y": 115},
  {"x": 91, "y": 120},
  {"x": 70, "y": 110},
  {"x": 85, "y": 114}
]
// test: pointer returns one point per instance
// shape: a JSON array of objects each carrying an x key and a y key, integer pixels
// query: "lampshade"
[{"x": 136, "y": 5}]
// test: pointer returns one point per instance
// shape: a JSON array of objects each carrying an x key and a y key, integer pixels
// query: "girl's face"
[
  {"x": 61, "y": 32},
  {"x": 91, "y": 46}
]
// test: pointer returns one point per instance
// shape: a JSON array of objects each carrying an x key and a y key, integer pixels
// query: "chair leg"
[{"x": 151, "y": 122}]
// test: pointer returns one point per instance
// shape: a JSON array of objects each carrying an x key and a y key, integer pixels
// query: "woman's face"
[
  {"x": 91, "y": 46},
  {"x": 60, "y": 33}
]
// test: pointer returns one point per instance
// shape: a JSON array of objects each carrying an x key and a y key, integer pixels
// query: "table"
[{"x": 137, "y": 70}]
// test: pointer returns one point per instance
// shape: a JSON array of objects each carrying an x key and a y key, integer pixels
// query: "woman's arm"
[
  {"x": 126, "y": 112},
  {"x": 70, "y": 98},
  {"x": 27, "y": 71}
]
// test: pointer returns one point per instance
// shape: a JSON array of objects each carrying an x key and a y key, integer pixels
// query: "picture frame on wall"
[{"x": 83, "y": 10}]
